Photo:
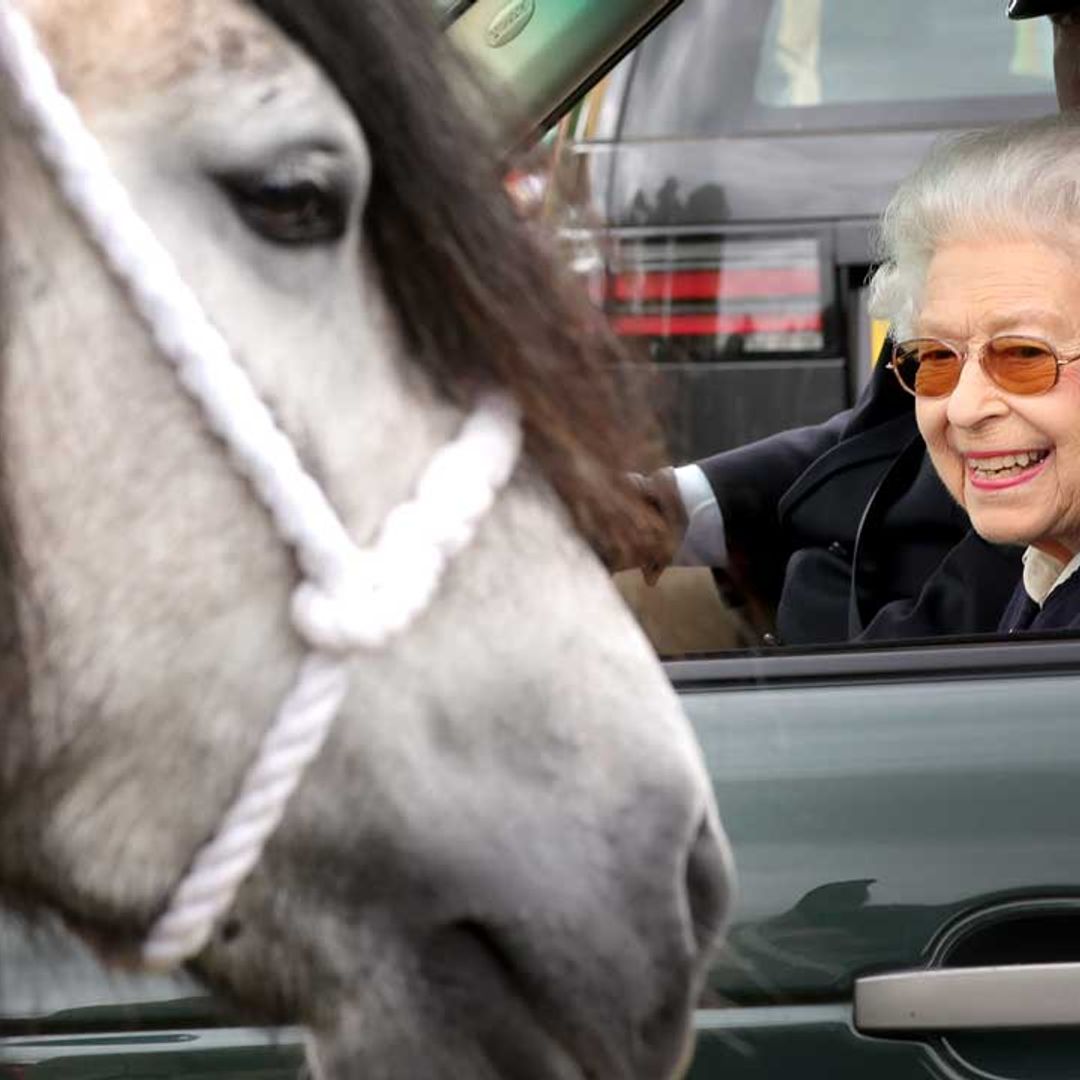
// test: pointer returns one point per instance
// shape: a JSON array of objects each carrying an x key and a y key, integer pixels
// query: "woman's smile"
[{"x": 995, "y": 470}]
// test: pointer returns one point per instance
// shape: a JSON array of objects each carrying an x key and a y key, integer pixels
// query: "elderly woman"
[{"x": 981, "y": 282}]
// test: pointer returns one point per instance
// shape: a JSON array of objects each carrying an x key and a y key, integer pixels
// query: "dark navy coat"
[
  {"x": 845, "y": 529},
  {"x": 1061, "y": 611}
]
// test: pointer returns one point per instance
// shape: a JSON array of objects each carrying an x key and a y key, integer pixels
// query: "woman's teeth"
[{"x": 1006, "y": 465}]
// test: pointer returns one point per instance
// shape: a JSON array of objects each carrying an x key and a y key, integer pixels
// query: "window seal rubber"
[{"x": 983, "y": 657}]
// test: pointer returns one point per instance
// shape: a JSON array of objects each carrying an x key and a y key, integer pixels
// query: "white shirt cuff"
[{"x": 705, "y": 543}]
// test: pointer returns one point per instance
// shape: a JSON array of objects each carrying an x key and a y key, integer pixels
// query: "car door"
[
  {"x": 907, "y": 836},
  {"x": 64, "y": 1017}
]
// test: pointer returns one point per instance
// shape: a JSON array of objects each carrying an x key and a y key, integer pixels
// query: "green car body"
[{"x": 891, "y": 810}]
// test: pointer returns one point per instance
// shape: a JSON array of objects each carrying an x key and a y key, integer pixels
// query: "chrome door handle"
[{"x": 975, "y": 998}]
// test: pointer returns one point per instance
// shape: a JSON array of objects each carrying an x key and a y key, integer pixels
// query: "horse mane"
[{"x": 479, "y": 298}]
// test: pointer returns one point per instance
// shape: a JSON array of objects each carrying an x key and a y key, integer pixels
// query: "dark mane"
[{"x": 479, "y": 298}]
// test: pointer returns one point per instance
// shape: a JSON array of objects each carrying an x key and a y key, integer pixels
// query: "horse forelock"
[
  {"x": 480, "y": 298},
  {"x": 109, "y": 51}
]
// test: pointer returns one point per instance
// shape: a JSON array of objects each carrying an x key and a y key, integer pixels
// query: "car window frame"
[
  {"x": 985, "y": 656},
  {"x": 540, "y": 87}
]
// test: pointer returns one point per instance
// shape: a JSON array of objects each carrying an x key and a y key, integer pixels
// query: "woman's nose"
[{"x": 976, "y": 398}]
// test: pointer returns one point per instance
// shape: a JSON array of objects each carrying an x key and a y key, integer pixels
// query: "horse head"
[{"x": 503, "y": 858}]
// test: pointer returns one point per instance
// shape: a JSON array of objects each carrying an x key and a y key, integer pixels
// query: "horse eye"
[{"x": 292, "y": 210}]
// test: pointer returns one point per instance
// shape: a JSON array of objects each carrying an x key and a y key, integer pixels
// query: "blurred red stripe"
[
  {"x": 707, "y": 284},
  {"x": 710, "y": 325}
]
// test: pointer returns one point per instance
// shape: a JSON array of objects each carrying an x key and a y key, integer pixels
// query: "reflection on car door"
[
  {"x": 898, "y": 810},
  {"x": 65, "y": 1017}
]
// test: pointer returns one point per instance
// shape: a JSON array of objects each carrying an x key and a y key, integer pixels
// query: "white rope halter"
[{"x": 350, "y": 598}]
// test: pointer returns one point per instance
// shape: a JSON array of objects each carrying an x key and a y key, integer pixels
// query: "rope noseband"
[{"x": 350, "y": 598}]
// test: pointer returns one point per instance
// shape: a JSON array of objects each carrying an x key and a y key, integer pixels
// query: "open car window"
[{"x": 720, "y": 192}]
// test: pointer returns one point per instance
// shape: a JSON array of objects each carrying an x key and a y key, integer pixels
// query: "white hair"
[{"x": 1017, "y": 182}]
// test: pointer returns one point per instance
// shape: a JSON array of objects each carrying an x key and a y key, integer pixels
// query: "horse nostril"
[
  {"x": 463, "y": 948},
  {"x": 482, "y": 987},
  {"x": 706, "y": 885}
]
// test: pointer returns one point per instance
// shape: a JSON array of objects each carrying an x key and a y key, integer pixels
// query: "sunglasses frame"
[{"x": 963, "y": 356}]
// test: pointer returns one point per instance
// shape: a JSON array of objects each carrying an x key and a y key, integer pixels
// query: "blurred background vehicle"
[{"x": 719, "y": 189}]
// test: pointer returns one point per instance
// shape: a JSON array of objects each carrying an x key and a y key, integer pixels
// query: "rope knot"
[
  {"x": 379, "y": 596},
  {"x": 361, "y": 598}
]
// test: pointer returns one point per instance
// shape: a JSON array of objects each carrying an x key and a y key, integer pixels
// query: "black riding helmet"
[{"x": 1027, "y": 9}]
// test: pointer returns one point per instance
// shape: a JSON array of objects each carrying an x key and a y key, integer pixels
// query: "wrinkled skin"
[
  {"x": 977, "y": 288},
  {"x": 506, "y": 862}
]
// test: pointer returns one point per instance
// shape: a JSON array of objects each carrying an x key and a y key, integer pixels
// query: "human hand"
[{"x": 663, "y": 524}]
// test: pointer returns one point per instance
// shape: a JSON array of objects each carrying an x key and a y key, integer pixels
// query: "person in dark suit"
[
  {"x": 981, "y": 283},
  {"x": 850, "y": 532},
  {"x": 844, "y": 528}
]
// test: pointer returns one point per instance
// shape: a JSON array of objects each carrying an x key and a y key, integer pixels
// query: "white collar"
[{"x": 1043, "y": 573}]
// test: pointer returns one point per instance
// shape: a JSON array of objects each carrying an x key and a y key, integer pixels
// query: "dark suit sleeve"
[{"x": 749, "y": 483}]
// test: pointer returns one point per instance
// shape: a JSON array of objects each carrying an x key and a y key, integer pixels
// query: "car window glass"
[
  {"x": 46, "y": 971},
  {"x": 720, "y": 193},
  {"x": 841, "y": 52},
  {"x": 732, "y": 65},
  {"x": 682, "y": 80}
]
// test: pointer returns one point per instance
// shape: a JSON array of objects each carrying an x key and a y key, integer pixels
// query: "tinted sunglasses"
[{"x": 927, "y": 367}]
